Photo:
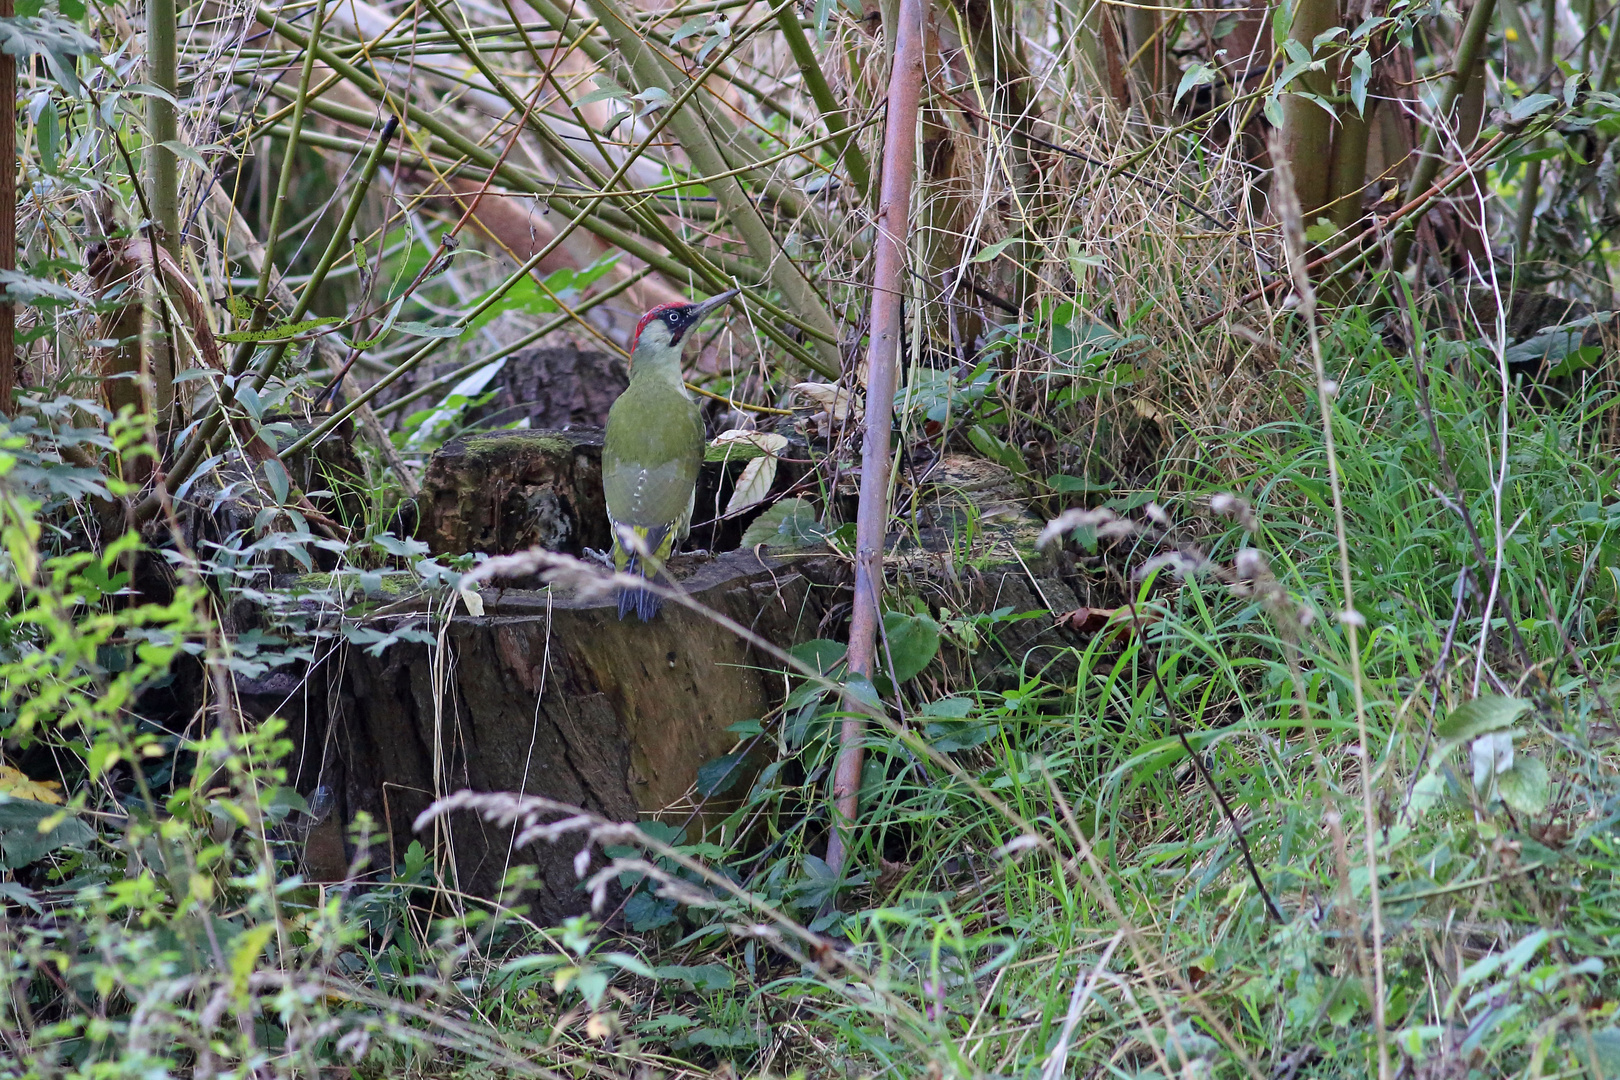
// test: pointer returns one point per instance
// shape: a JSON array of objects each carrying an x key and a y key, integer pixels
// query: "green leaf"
[
  {"x": 427, "y": 330},
  {"x": 910, "y": 641},
  {"x": 1530, "y": 106},
  {"x": 822, "y": 654},
  {"x": 276, "y": 473},
  {"x": 22, "y": 288},
  {"x": 698, "y": 976},
  {"x": 720, "y": 775},
  {"x": 21, "y": 841},
  {"x": 1607, "y": 1043},
  {"x": 280, "y": 332},
  {"x": 1360, "y": 76},
  {"x": 1321, "y": 232},
  {"x": 791, "y": 523},
  {"x": 633, "y": 964},
  {"x": 951, "y": 729},
  {"x": 1076, "y": 485},
  {"x": 954, "y": 708},
  {"x": 1525, "y": 787},
  {"x": 1576, "y": 360},
  {"x": 57, "y": 40},
  {"x": 986, "y": 254},
  {"x": 49, "y": 130},
  {"x": 1490, "y": 712},
  {"x": 181, "y": 150},
  {"x": 1199, "y": 74},
  {"x": 695, "y": 25}
]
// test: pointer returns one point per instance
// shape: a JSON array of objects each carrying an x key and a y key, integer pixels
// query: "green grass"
[{"x": 987, "y": 951}]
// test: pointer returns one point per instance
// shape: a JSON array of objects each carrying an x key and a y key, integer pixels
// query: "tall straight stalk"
[
  {"x": 8, "y": 218},
  {"x": 334, "y": 248},
  {"x": 1530, "y": 190},
  {"x": 832, "y": 114},
  {"x": 1428, "y": 163},
  {"x": 201, "y": 439},
  {"x": 882, "y": 370},
  {"x": 163, "y": 177}
]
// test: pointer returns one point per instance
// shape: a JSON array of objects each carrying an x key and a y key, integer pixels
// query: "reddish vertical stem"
[
  {"x": 8, "y": 218},
  {"x": 872, "y": 517}
]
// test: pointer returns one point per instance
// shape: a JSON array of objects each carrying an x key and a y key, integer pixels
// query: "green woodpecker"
[{"x": 653, "y": 450}]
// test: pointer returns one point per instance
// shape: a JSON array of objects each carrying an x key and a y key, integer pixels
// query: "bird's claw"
[{"x": 598, "y": 556}]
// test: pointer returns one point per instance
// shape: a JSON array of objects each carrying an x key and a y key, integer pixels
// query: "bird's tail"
[
  {"x": 656, "y": 542},
  {"x": 644, "y": 602}
]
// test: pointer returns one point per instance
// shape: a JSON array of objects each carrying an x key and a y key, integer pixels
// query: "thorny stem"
[{"x": 872, "y": 515}]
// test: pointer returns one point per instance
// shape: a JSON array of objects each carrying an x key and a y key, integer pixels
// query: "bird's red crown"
[{"x": 653, "y": 314}]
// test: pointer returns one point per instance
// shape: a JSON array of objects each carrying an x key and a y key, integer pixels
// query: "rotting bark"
[{"x": 872, "y": 517}]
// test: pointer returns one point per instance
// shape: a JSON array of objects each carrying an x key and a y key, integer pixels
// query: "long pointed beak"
[{"x": 713, "y": 302}]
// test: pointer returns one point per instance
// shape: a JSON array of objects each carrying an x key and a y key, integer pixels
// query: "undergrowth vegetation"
[
  {"x": 1318, "y": 781},
  {"x": 1044, "y": 882}
]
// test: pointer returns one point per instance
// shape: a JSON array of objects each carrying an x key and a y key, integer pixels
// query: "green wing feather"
[{"x": 650, "y": 463}]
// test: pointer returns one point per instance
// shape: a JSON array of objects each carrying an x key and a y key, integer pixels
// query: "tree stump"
[
  {"x": 512, "y": 490},
  {"x": 546, "y": 693}
]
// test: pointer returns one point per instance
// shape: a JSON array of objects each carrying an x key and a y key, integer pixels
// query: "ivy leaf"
[
  {"x": 720, "y": 775},
  {"x": 821, "y": 654},
  {"x": 791, "y": 523}
]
